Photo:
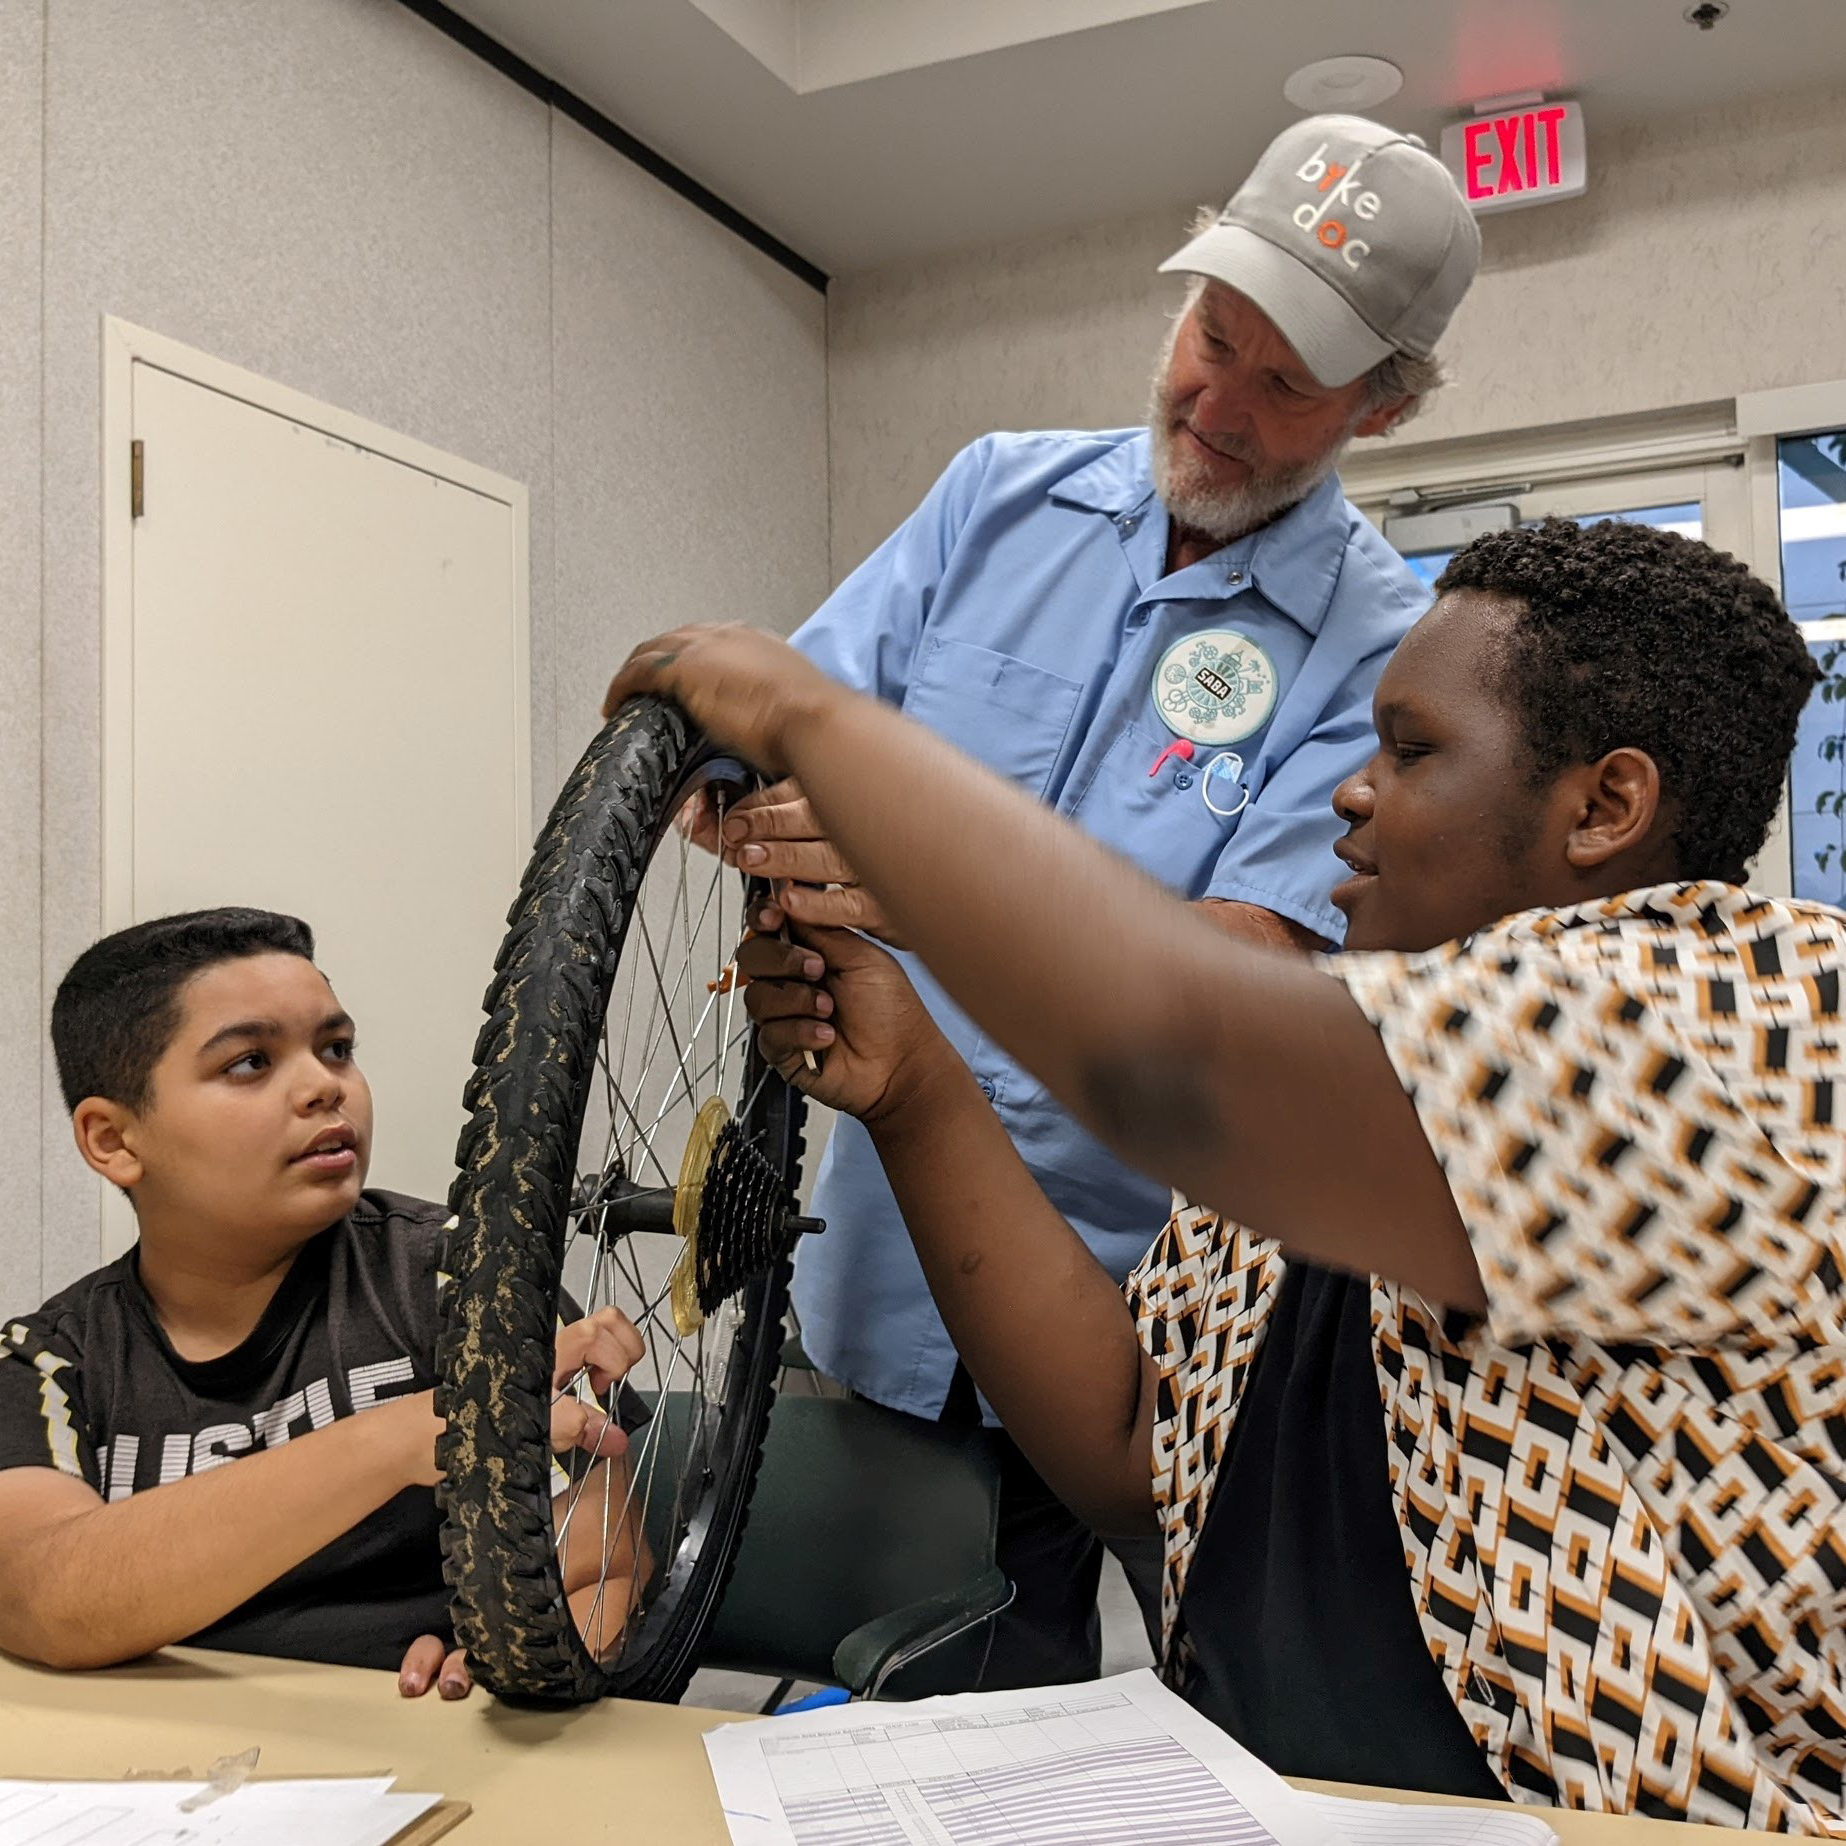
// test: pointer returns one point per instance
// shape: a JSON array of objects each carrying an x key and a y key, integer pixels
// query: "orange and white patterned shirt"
[{"x": 1622, "y": 1496}]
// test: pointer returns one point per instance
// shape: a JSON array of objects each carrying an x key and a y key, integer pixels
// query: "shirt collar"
[
  {"x": 1294, "y": 560},
  {"x": 1118, "y": 481}
]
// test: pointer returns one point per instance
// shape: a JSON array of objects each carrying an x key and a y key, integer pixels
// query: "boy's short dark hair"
[
  {"x": 117, "y": 1008},
  {"x": 1634, "y": 636}
]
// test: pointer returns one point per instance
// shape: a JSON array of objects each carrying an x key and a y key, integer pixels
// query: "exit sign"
[{"x": 1527, "y": 155}]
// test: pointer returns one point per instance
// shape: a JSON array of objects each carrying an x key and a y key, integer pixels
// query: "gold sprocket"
[{"x": 711, "y": 1121}]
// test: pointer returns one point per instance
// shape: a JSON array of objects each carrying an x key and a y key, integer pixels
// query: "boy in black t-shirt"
[{"x": 209, "y": 1071}]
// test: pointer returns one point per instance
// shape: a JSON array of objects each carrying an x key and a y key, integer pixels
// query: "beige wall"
[
  {"x": 21, "y": 64},
  {"x": 336, "y": 196},
  {"x": 1708, "y": 258},
  {"x": 689, "y": 425}
]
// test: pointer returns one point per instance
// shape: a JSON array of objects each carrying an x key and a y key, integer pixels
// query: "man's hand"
[
  {"x": 603, "y": 1347},
  {"x": 773, "y": 835},
  {"x": 833, "y": 992},
  {"x": 428, "y": 1662},
  {"x": 744, "y": 687}
]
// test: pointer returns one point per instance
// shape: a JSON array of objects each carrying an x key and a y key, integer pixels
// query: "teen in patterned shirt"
[{"x": 1496, "y": 1406}]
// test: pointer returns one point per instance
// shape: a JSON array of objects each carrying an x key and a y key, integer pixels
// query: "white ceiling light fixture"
[{"x": 1343, "y": 84}]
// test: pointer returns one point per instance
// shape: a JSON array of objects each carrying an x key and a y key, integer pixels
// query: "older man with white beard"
[{"x": 1171, "y": 635}]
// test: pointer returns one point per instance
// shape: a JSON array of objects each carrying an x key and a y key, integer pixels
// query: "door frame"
[
  {"x": 1763, "y": 419},
  {"x": 1395, "y": 475}
]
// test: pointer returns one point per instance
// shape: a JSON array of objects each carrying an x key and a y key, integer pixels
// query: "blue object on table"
[{"x": 816, "y": 1701}]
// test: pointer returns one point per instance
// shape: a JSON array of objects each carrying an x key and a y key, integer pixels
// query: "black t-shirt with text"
[{"x": 91, "y": 1385}]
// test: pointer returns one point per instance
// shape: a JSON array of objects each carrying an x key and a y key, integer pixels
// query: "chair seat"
[{"x": 860, "y": 1512}]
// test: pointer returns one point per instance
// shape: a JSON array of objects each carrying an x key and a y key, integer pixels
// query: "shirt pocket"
[
  {"x": 1165, "y": 827},
  {"x": 1001, "y": 710}
]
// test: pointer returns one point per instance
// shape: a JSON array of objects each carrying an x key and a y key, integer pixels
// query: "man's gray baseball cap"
[{"x": 1351, "y": 237}]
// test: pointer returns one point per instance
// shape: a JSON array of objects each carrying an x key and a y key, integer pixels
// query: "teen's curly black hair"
[{"x": 1638, "y": 637}]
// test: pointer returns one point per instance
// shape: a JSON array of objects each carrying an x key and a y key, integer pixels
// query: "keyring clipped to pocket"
[{"x": 1222, "y": 785}]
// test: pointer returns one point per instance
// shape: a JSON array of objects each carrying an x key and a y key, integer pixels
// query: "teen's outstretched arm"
[{"x": 1244, "y": 1076}]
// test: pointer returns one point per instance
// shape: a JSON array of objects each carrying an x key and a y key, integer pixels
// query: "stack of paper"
[
  {"x": 337, "y": 1811},
  {"x": 1411, "y": 1823},
  {"x": 1119, "y": 1760}
]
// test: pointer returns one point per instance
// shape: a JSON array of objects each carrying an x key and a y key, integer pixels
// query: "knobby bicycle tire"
[{"x": 534, "y": 1062}]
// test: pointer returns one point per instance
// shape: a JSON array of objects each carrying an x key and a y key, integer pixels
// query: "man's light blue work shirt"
[{"x": 1023, "y": 613}]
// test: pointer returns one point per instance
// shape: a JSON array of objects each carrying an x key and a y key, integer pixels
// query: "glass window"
[
  {"x": 1811, "y": 497},
  {"x": 1685, "y": 518}
]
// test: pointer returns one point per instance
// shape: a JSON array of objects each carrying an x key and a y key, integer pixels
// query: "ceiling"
[{"x": 866, "y": 132}]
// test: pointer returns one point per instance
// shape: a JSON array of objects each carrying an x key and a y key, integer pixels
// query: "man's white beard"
[{"x": 1195, "y": 500}]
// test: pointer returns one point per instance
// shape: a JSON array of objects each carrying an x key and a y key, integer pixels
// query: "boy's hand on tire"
[{"x": 601, "y": 1347}]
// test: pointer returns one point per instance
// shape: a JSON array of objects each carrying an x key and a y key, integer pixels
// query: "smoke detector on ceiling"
[{"x": 1346, "y": 83}]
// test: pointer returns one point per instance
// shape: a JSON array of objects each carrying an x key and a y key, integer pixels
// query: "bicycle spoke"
[
  {"x": 681, "y": 1072},
  {"x": 632, "y": 1273},
  {"x": 659, "y": 1037},
  {"x": 694, "y": 1460},
  {"x": 750, "y": 1101},
  {"x": 651, "y": 1440},
  {"x": 577, "y": 1487},
  {"x": 668, "y": 1098},
  {"x": 643, "y": 1140},
  {"x": 613, "y": 1250},
  {"x": 681, "y": 902},
  {"x": 685, "y": 922},
  {"x": 667, "y": 1018},
  {"x": 661, "y": 1034},
  {"x": 711, "y": 1067},
  {"x": 628, "y": 1013},
  {"x": 602, "y": 1578}
]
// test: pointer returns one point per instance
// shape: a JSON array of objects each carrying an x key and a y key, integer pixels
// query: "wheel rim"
[{"x": 675, "y": 1054}]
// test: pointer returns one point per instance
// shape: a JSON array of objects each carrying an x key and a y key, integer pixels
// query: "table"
[{"x": 612, "y": 1772}]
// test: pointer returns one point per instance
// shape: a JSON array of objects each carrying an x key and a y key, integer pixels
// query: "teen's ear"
[
  {"x": 1619, "y": 801},
  {"x": 103, "y": 1131}
]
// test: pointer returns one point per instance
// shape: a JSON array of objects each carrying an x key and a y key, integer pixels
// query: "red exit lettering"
[{"x": 1512, "y": 153}]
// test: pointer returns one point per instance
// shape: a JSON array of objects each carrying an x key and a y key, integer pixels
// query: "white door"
[{"x": 316, "y": 702}]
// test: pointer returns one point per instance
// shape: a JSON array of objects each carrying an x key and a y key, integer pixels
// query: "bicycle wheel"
[{"x": 625, "y": 1146}]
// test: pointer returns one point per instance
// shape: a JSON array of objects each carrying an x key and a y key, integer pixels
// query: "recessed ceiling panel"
[{"x": 866, "y": 132}]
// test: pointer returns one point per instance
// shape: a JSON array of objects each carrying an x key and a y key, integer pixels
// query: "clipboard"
[{"x": 443, "y": 1818}]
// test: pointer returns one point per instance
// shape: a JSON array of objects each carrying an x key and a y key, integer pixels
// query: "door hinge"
[{"x": 137, "y": 482}]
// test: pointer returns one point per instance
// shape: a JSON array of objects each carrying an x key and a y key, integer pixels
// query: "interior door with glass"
[{"x": 1810, "y": 548}]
